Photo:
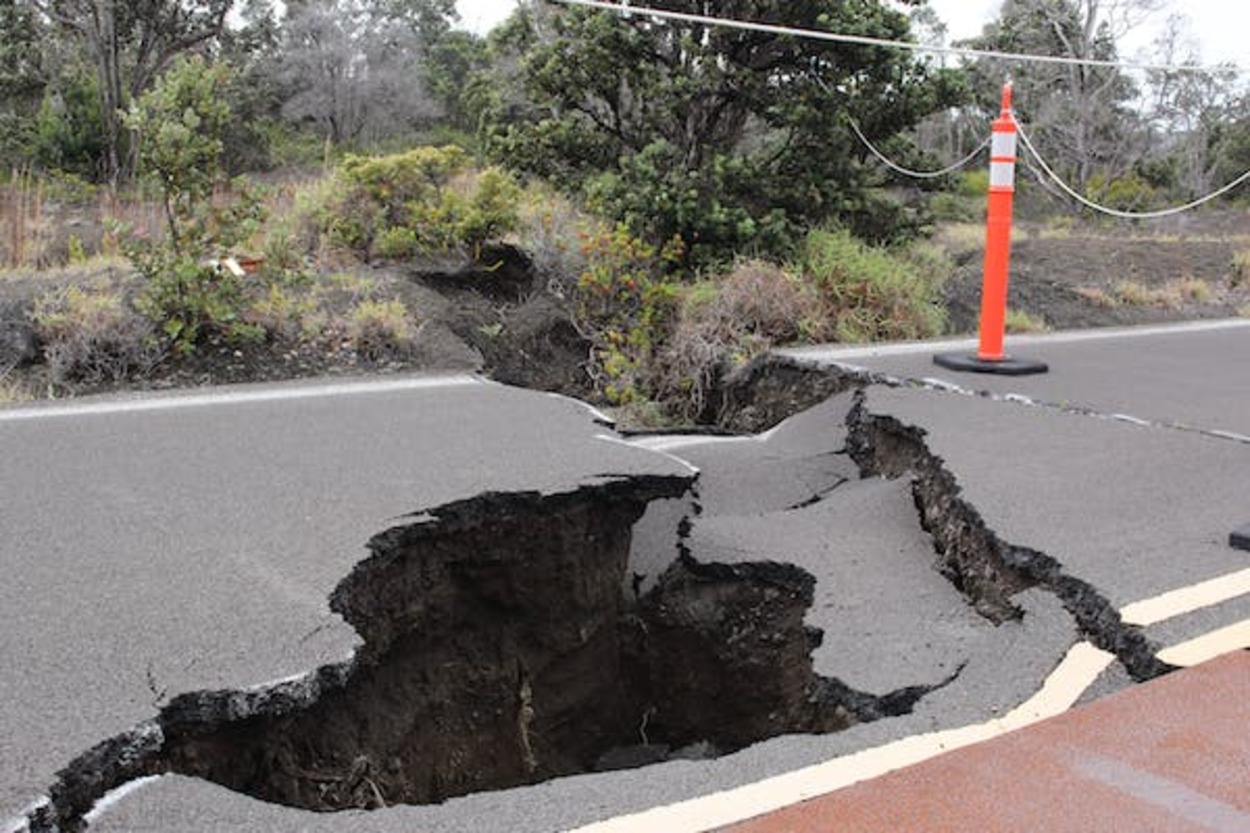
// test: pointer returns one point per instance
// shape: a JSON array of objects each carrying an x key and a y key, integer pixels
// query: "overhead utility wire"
[{"x": 864, "y": 40}]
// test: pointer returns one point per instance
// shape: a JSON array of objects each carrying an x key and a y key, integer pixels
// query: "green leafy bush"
[
  {"x": 871, "y": 293},
  {"x": 624, "y": 303},
  {"x": 187, "y": 295},
  {"x": 424, "y": 201}
]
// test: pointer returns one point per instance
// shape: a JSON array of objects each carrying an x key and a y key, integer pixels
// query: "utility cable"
[
  {"x": 629, "y": 10},
  {"x": 1112, "y": 212},
  {"x": 894, "y": 166}
]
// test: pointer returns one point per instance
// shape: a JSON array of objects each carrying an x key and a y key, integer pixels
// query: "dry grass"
[
  {"x": 1021, "y": 322},
  {"x": 381, "y": 329},
  {"x": 13, "y": 391},
  {"x": 726, "y": 322},
  {"x": 1096, "y": 296},
  {"x": 1191, "y": 289},
  {"x": 1137, "y": 294}
]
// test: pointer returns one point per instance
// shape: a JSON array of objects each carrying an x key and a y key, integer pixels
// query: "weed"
[
  {"x": 1192, "y": 289},
  {"x": 92, "y": 336},
  {"x": 1170, "y": 295},
  {"x": 13, "y": 391},
  {"x": 284, "y": 314},
  {"x": 1019, "y": 321},
  {"x": 724, "y": 323},
  {"x": 381, "y": 329},
  {"x": 1239, "y": 270}
]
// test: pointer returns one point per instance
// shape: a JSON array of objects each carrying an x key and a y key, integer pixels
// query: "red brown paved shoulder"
[{"x": 1170, "y": 755}]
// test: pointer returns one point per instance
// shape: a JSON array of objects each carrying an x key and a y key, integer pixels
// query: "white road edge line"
[
  {"x": 236, "y": 397},
  {"x": 837, "y": 352}
]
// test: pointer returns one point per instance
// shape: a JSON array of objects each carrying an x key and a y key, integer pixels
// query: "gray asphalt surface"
[
  {"x": 194, "y": 547},
  {"x": 150, "y": 551}
]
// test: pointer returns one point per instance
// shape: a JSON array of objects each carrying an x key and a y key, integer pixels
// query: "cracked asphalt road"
[{"x": 155, "y": 548}]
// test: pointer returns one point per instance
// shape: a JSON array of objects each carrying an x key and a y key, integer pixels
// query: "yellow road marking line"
[
  {"x": 1078, "y": 670},
  {"x": 1208, "y": 646},
  {"x": 1187, "y": 599}
]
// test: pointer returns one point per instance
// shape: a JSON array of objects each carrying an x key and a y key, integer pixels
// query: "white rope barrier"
[
  {"x": 1112, "y": 212},
  {"x": 894, "y": 166}
]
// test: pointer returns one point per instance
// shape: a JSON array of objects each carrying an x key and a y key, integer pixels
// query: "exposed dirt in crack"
[{"x": 501, "y": 648}]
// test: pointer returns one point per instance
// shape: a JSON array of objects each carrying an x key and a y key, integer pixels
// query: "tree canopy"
[{"x": 722, "y": 137}]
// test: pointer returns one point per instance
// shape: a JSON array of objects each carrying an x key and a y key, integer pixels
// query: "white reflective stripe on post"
[
  {"x": 1002, "y": 175},
  {"x": 1003, "y": 145}
]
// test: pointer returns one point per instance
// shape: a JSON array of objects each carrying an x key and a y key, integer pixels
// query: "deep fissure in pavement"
[
  {"x": 501, "y": 649},
  {"x": 988, "y": 570}
]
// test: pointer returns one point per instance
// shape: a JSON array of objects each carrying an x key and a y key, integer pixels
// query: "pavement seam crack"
[{"x": 857, "y": 376}]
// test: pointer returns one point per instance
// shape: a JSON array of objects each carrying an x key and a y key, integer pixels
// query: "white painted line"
[
  {"x": 686, "y": 464},
  {"x": 1208, "y": 646},
  {"x": 116, "y": 796},
  {"x": 1187, "y": 599},
  {"x": 1199, "y": 809},
  {"x": 1078, "y": 670},
  {"x": 235, "y": 397},
  {"x": 836, "y": 352}
]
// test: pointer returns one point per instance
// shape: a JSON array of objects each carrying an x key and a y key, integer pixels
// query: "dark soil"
[{"x": 1115, "y": 275}]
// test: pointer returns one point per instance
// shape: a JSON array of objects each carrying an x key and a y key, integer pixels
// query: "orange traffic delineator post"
[{"x": 990, "y": 357}]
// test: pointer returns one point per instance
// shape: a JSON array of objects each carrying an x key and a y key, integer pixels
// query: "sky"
[{"x": 1220, "y": 27}]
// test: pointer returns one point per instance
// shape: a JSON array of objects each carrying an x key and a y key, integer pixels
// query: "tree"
[
  {"x": 354, "y": 67},
  {"x": 728, "y": 139},
  {"x": 21, "y": 77},
  {"x": 129, "y": 43},
  {"x": 179, "y": 126},
  {"x": 1193, "y": 117},
  {"x": 1080, "y": 113}
]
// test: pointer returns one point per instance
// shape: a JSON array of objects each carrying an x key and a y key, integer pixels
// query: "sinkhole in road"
[
  {"x": 502, "y": 646},
  {"x": 502, "y": 649}
]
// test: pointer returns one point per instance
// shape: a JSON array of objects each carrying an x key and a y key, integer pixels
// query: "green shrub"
[
  {"x": 1125, "y": 193},
  {"x": 872, "y": 294},
  {"x": 624, "y": 303},
  {"x": 973, "y": 184},
  {"x": 284, "y": 314},
  {"x": 1019, "y": 321},
  {"x": 423, "y": 201},
  {"x": 954, "y": 208}
]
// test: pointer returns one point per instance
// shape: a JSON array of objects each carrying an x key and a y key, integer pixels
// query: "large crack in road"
[{"x": 502, "y": 647}]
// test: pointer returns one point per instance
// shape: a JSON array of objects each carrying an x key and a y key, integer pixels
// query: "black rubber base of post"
[
  {"x": 1007, "y": 366},
  {"x": 1240, "y": 539}
]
